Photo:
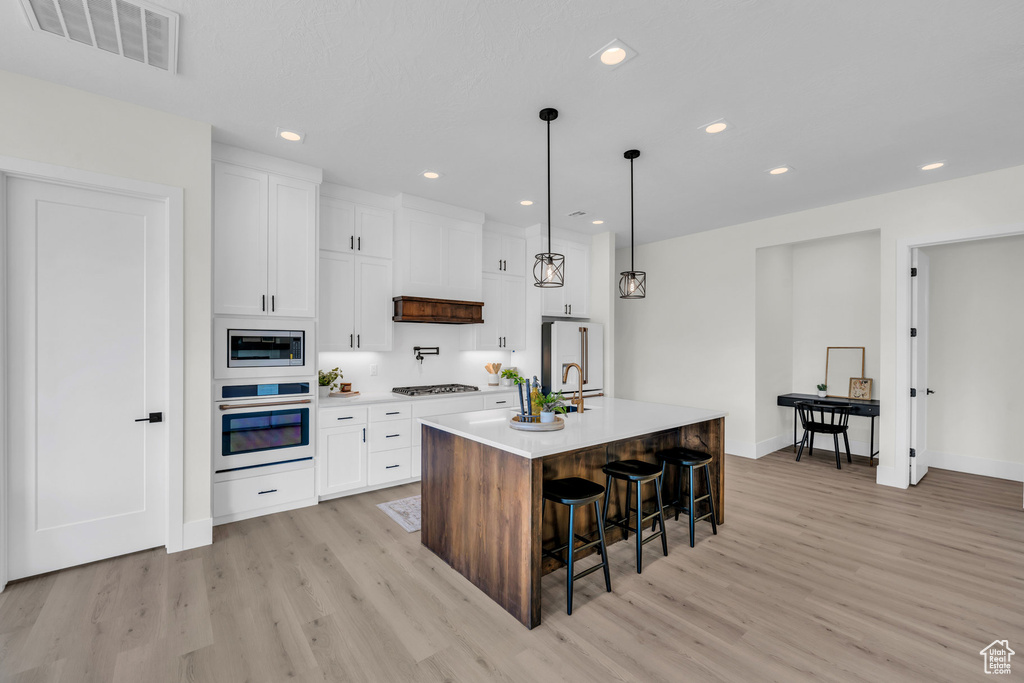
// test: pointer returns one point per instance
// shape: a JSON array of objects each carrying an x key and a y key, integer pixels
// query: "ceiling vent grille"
[{"x": 137, "y": 30}]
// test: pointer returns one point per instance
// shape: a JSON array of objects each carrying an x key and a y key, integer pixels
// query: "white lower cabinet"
[
  {"x": 342, "y": 458},
  {"x": 235, "y": 498}
]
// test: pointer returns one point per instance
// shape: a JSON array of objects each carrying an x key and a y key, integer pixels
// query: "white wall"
[
  {"x": 604, "y": 291},
  {"x": 399, "y": 367},
  {"x": 53, "y": 124},
  {"x": 773, "y": 343},
  {"x": 694, "y": 341},
  {"x": 976, "y": 357}
]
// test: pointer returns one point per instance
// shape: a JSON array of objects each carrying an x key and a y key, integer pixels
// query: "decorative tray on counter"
[
  {"x": 343, "y": 394},
  {"x": 536, "y": 426}
]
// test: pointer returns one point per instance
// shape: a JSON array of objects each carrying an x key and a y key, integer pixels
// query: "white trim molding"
[
  {"x": 1000, "y": 469},
  {"x": 263, "y": 162},
  {"x": 197, "y": 533}
]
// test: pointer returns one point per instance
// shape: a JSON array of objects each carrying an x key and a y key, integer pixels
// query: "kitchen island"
[{"x": 482, "y": 484}]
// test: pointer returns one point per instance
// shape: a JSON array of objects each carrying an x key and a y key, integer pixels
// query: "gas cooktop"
[{"x": 430, "y": 389}]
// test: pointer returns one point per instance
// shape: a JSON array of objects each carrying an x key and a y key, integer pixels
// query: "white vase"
[
  {"x": 506, "y": 381},
  {"x": 547, "y": 416},
  {"x": 822, "y": 394},
  {"x": 325, "y": 392}
]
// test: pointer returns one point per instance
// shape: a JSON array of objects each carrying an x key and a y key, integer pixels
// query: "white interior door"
[
  {"x": 88, "y": 312},
  {"x": 919, "y": 368}
]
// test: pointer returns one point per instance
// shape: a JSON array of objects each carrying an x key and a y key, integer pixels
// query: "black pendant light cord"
[
  {"x": 632, "y": 248},
  {"x": 549, "y": 186}
]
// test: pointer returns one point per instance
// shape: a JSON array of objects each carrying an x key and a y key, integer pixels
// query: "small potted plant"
[
  {"x": 508, "y": 376},
  {"x": 329, "y": 381},
  {"x": 551, "y": 404},
  {"x": 822, "y": 391}
]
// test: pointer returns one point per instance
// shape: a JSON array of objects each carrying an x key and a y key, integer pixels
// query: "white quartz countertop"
[
  {"x": 605, "y": 420},
  {"x": 388, "y": 397}
]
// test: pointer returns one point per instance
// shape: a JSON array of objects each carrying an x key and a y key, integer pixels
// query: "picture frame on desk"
[{"x": 860, "y": 388}]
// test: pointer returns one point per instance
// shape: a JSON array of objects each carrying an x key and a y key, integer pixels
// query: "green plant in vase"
[
  {"x": 510, "y": 376},
  {"x": 551, "y": 404},
  {"x": 329, "y": 381},
  {"x": 822, "y": 389}
]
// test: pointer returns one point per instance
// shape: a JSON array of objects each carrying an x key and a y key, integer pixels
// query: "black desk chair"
[{"x": 824, "y": 418}]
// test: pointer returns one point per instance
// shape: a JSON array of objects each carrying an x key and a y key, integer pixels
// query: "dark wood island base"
[{"x": 481, "y": 506}]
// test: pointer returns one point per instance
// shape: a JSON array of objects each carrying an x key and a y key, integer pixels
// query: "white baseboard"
[
  {"x": 887, "y": 476},
  {"x": 743, "y": 449},
  {"x": 197, "y": 533},
  {"x": 776, "y": 443},
  {"x": 822, "y": 442},
  {"x": 1000, "y": 469}
]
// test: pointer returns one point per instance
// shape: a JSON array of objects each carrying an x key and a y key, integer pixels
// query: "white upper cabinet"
[
  {"x": 503, "y": 293},
  {"x": 504, "y": 254},
  {"x": 437, "y": 250},
  {"x": 349, "y": 227},
  {"x": 356, "y": 243},
  {"x": 572, "y": 300},
  {"x": 264, "y": 235},
  {"x": 240, "y": 240},
  {"x": 292, "y": 254}
]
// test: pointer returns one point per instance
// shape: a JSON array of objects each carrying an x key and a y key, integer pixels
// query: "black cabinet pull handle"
[
  {"x": 263, "y": 302},
  {"x": 273, "y": 306},
  {"x": 500, "y": 402},
  {"x": 351, "y": 341},
  {"x": 346, "y": 418},
  {"x": 391, "y": 436},
  {"x": 153, "y": 417},
  {"x": 359, "y": 343},
  {"x": 364, "y": 434},
  {"x": 351, "y": 243},
  {"x": 267, "y": 491},
  {"x": 391, "y": 467},
  {"x": 359, "y": 243},
  {"x": 397, "y": 412}
]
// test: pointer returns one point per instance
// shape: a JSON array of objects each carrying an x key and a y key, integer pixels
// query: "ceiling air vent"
[
  {"x": 578, "y": 213},
  {"x": 137, "y": 30}
]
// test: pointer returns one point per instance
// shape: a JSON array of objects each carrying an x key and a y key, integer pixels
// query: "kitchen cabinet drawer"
[
  {"x": 390, "y": 466},
  {"x": 342, "y": 416},
  {"x": 447, "y": 406},
  {"x": 253, "y": 493},
  {"x": 390, "y": 411},
  {"x": 508, "y": 401},
  {"x": 386, "y": 436}
]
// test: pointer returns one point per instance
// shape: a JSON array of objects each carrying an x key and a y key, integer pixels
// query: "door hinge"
[
  {"x": 913, "y": 453},
  {"x": 913, "y": 331},
  {"x": 913, "y": 393},
  {"x": 913, "y": 272}
]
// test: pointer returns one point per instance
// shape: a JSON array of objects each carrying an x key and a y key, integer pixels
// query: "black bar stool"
[
  {"x": 574, "y": 491},
  {"x": 690, "y": 460},
  {"x": 639, "y": 472}
]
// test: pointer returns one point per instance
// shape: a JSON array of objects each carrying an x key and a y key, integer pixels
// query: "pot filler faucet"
[
  {"x": 426, "y": 350},
  {"x": 578, "y": 402}
]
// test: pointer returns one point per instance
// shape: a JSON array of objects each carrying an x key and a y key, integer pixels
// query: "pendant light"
[
  {"x": 548, "y": 269},
  {"x": 633, "y": 282}
]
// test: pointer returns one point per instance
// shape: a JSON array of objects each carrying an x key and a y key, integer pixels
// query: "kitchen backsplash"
[{"x": 399, "y": 368}]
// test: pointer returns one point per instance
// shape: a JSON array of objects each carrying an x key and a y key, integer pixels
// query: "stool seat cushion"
[
  {"x": 687, "y": 457},
  {"x": 632, "y": 469},
  {"x": 572, "y": 491}
]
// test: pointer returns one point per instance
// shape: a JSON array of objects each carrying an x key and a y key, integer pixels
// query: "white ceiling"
[{"x": 854, "y": 95}]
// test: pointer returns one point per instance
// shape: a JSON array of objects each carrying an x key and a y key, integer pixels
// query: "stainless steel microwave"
[{"x": 266, "y": 348}]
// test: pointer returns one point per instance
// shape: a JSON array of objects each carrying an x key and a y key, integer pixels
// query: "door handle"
[
  {"x": 928, "y": 391},
  {"x": 358, "y": 341},
  {"x": 273, "y": 305},
  {"x": 351, "y": 242},
  {"x": 263, "y": 303},
  {"x": 153, "y": 417},
  {"x": 364, "y": 434},
  {"x": 351, "y": 341},
  {"x": 359, "y": 243}
]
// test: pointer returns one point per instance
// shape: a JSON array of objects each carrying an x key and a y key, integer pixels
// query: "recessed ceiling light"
[
  {"x": 614, "y": 54},
  {"x": 715, "y": 126},
  {"x": 598, "y": 222},
  {"x": 432, "y": 175},
  {"x": 527, "y": 202},
  {"x": 779, "y": 170},
  {"x": 290, "y": 135},
  {"x": 932, "y": 166}
]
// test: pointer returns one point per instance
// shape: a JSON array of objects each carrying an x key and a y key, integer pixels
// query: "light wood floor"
[{"x": 818, "y": 575}]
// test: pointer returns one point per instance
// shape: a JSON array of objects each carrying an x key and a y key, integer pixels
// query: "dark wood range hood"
[{"x": 416, "y": 309}]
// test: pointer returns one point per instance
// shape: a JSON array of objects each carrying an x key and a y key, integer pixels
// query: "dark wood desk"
[{"x": 857, "y": 407}]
